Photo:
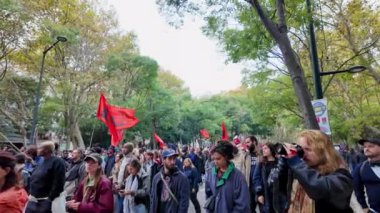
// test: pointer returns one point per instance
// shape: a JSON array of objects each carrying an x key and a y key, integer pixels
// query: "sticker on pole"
[{"x": 320, "y": 110}]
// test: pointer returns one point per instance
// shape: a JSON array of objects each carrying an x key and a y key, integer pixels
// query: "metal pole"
[
  {"x": 314, "y": 54},
  {"x": 92, "y": 135},
  {"x": 10, "y": 142},
  {"x": 35, "y": 110},
  {"x": 38, "y": 94}
]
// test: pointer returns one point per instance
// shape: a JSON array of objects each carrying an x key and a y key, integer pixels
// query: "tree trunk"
[
  {"x": 76, "y": 137},
  {"x": 299, "y": 82},
  {"x": 24, "y": 135},
  {"x": 279, "y": 31}
]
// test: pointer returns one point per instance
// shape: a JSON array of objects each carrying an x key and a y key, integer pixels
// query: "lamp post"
[
  {"x": 353, "y": 69},
  {"x": 314, "y": 53},
  {"x": 317, "y": 74},
  {"x": 38, "y": 92}
]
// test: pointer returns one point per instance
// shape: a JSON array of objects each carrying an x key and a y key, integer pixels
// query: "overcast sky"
[{"x": 186, "y": 52}]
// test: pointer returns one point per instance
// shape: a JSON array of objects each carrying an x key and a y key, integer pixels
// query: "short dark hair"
[
  {"x": 96, "y": 150},
  {"x": 31, "y": 151},
  {"x": 80, "y": 151},
  {"x": 253, "y": 139},
  {"x": 129, "y": 146},
  {"x": 120, "y": 155},
  {"x": 20, "y": 158},
  {"x": 226, "y": 149},
  {"x": 135, "y": 164}
]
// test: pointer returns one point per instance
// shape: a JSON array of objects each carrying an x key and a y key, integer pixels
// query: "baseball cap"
[
  {"x": 95, "y": 157},
  {"x": 371, "y": 140},
  {"x": 168, "y": 153}
]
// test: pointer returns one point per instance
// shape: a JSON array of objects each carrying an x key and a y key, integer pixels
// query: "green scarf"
[{"x": 225, "y": 175}]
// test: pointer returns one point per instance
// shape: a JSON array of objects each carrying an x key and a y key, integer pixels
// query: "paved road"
[{"x": 201, "y": 198}]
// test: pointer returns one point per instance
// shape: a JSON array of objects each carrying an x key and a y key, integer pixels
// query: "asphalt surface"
[{"x": 201, "y": 199}]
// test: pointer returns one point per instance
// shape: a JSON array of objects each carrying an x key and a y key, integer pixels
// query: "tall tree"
[{"x": 270, "y": 20}]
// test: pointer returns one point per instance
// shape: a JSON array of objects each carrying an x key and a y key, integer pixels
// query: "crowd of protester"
[{"x": 248, "y": 176}]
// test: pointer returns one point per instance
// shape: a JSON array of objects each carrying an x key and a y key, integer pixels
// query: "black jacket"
[
  {"x": 180, "y": 187},
  {"x": 48, "y": 179},
  {"x": 110, "y": 163},
  {"x": 76, "y": 171},
  {"x": 331, "y": 192}
]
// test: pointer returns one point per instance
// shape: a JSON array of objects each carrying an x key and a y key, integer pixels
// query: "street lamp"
[
  {"x": 317, "y": 74},
  {"x": 38, "y": 92},
  {"x": 353, "y": 69}
]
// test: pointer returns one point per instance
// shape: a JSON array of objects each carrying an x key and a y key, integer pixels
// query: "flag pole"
[
  {"x": 92, "y": 134},
  {"x": 7, "y": 140}
]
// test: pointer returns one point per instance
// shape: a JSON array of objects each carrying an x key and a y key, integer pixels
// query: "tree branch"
[
  {"x": 281, "y": 16},
  {"x": 271, "y": 26}
]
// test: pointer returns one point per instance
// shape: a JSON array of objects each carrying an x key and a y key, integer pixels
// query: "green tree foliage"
[
  {"x": 98, "y": 58},
  {"x": 16, "y": 100}
]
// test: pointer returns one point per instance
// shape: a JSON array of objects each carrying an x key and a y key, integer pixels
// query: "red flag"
[
  {"x": 224, "y": 132},
  {"x": 115, "y": 140},
  {"x": 123, "y": 118},
  {"x": 103, "y": 114},
  {"x": 204, "y": 133},
  {"x": 116, "y": 119},
  {"x": 160, "y": 142}
]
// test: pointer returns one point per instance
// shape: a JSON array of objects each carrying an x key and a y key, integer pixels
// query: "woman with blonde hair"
[
  {"x": 95, "y": 192},
  {"x": 193, "y": 176},
  {"x": 321, "y": 181}
]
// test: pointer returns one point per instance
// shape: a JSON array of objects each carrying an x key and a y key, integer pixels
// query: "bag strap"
[{"x": 168, "y": 188}]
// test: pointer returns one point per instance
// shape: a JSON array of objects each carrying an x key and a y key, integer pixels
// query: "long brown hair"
[
  {"x": 320, "y": 143},
  {"x": 89, "y": 192},
  {"x": 264, "y": 160}
]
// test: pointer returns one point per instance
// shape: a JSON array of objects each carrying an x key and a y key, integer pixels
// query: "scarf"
[
  {"x": 131, "y": 185},
  {"x": 300, "y": 201},
  {"x": 225, "y": 175}
]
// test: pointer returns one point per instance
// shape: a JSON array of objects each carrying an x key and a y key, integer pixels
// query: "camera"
[{"x": 280, "y": 149}]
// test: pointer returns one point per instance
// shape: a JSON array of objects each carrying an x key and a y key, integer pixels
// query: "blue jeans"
[
  {"x": 119, "y": 204},
  {"x": 140, "y": 208}
]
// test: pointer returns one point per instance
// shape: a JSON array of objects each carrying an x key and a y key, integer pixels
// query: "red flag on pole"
[
  {"x": 116, "y": 119},
  {"x": 115, "y": 140},
  {"x": 123, "y": 118},
  {"x": 204, "y": 133},
  {"x": 224, "y": 132},
  {"x": 103, "y": 114},
  {"x": 160, "y": 142}
]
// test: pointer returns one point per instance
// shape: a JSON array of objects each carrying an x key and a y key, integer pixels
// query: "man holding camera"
[{"x": 367, "y": 175}]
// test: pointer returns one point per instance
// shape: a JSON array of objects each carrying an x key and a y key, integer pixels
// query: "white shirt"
[
  {"x": 126, "y": 160},
  {"x": 376, "y": 170}
]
